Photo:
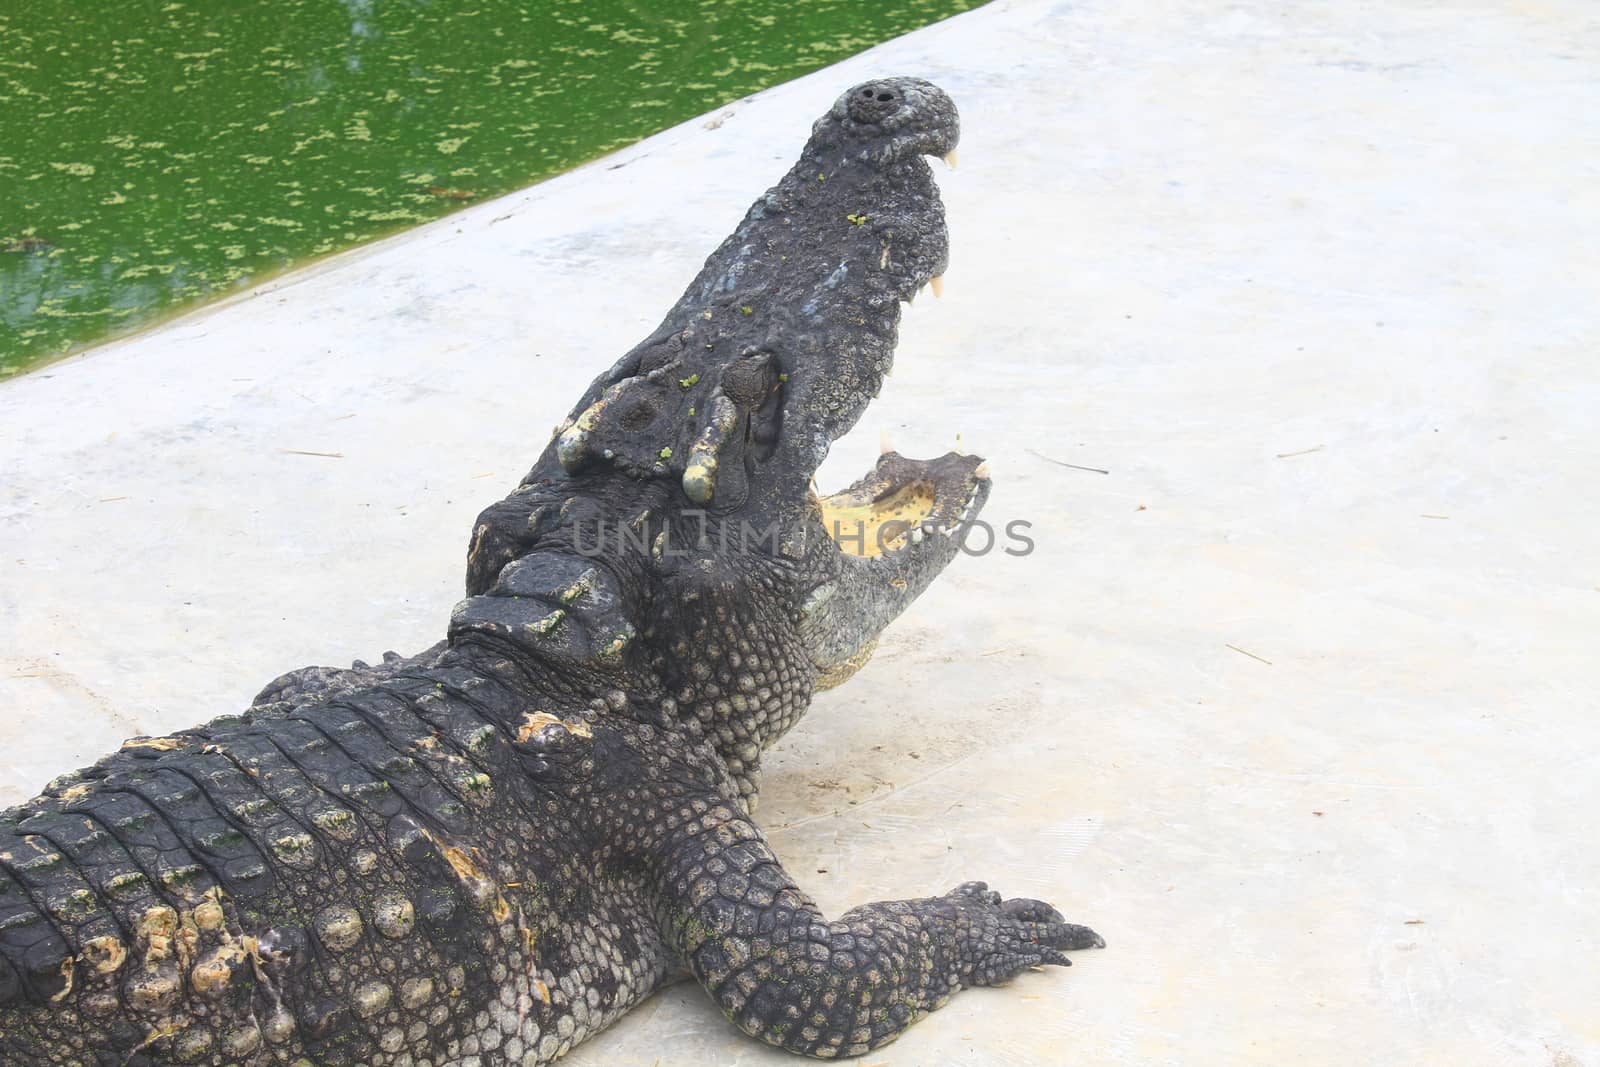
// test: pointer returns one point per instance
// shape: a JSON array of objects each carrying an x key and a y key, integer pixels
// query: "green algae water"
[{"x": 154, "y": 154}]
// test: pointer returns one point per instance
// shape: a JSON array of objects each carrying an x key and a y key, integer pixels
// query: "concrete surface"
[{"x": 1296, "y": 705}]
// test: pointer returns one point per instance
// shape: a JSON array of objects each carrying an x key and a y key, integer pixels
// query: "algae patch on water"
[{"x": 157, "y": 155}]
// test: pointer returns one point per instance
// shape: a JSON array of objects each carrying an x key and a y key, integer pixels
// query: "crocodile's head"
[{"x": 701, "y": 443}]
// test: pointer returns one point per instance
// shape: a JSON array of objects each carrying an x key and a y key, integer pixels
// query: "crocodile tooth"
[
  {"x": 937, "y": 282},
  {"x": 981, "y": 470},
  {"x": 884, "y": 447},
  {"x": 950, "y": 158}
]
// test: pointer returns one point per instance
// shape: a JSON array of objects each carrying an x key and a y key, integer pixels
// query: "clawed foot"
[{"x": 1007, "y": 936}]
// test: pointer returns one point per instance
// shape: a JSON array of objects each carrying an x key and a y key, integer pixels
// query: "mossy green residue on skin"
[{"x": 156, "y": 155}]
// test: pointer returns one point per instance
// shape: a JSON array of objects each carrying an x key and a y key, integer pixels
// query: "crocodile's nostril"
[{"x": 873, "y": 102}]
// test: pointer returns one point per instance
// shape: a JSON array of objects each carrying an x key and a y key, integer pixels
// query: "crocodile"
[{"x": 485, "y": 852}]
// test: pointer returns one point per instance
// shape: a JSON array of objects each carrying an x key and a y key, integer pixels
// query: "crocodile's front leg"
[{"x": 781, "y": 971}]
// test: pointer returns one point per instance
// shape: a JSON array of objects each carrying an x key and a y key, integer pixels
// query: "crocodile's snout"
[{"x": 916, "y": 116}]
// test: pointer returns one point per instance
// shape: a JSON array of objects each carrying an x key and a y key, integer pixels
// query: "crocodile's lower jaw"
[{"x": 885, "y": 514}]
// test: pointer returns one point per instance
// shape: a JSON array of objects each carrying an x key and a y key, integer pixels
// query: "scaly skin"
[{"x": 485, "y": 852}]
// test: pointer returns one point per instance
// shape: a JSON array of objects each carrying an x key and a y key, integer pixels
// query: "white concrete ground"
[{"x": 1296, "y": 705}]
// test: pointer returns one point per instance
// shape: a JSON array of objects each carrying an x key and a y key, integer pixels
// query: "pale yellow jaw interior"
[{"x": 854, "y": 519}]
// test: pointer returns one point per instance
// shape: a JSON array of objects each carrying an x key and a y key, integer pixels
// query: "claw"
[
  {"x": 1071, "y": 936},
  {"x": 1018, "y": 933}
]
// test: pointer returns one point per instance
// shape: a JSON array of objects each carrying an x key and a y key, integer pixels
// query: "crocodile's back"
[{"x": 369, "y": 881}]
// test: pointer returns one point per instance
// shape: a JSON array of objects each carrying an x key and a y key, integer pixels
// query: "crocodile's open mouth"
[
  {"x": 895, "y": 530},
  {"x": 901, "y": 502},
  {"x": 898, "y": 526}
]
